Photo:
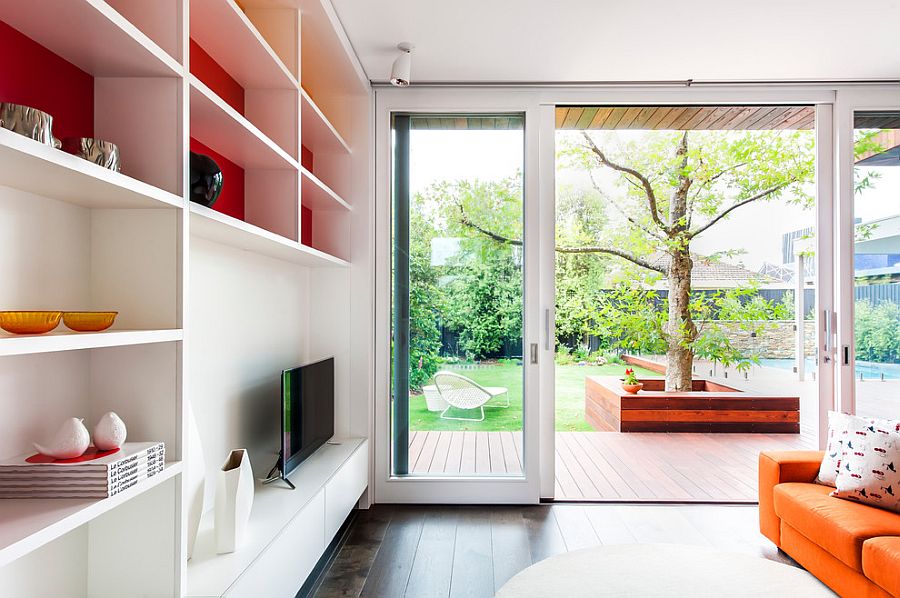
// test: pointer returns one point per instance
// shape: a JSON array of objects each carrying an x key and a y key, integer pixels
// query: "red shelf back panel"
[
  {"x": 216, "y": 78},
  {"x": 34, "y": 76},
  {"x": 231, "y": 200},
  {"x": 306, "y": 226},
  {"x": 306, "y": 158}
]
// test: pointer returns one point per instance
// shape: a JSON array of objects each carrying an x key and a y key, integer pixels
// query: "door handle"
[
  {"x": 827, "y": 331},
  {"x": 534, "y": 352},
  {"x": 547, "y": 329}
]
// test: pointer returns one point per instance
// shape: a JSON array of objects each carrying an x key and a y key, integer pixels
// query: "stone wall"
[{"x": 774, "y": 341}]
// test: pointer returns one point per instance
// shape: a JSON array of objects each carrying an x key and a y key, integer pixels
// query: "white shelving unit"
[
  {"x": 66, "y": 340},
  {"x": 223, "y": 30},
  {"x": 40, "y": 169},
  {"x": 31, "y": 524},
  {"x": 319, "y": 135},
  {"x": 116, "y": 47},
  {"x": 216, "y": 124},
  {"x": 319, "y": 196},
  {"x": 211, "y": 307},
  {"x": 218, "y": 227}
]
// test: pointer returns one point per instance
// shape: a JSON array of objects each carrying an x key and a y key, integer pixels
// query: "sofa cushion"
[
  {"x": 870, "y": 473},
  {"x": 838, "y": 526},
  {"x": 881, "y": 562},
  {"x": 839, "y": 425}
]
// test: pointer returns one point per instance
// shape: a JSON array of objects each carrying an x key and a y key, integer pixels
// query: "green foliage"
[
  {"x": 484, "y": 298},
  {"x": 877, "y": 328},
  {"x": 634, "y": 319},
  {"x": 425, "y": 305}
]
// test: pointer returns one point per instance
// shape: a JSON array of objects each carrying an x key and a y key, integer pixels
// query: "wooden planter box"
[{"x": 709, "y": 407}]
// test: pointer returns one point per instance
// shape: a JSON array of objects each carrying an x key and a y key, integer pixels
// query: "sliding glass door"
[
  {"x": 457, "y": 244},
  {"x": 875, "y": 356}
]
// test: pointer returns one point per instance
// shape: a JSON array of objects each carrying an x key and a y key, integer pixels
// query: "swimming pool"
[{"x": 868, "y": 369}]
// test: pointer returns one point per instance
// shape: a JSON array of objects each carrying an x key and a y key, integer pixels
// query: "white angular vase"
[
  {"x": 195, "y": 478},
  {"x": 234, "y": 499}
]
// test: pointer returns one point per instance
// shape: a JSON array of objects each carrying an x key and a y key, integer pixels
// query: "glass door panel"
[
  {"x": 876, "y": 249},
  {"x": 457, "y": 321}
]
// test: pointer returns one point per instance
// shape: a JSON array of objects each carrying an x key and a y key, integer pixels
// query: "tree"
[
  {"x": 425, "y": 304},
  {"x": 484, "y": 297},
  {"x": 672, "y": 187}
]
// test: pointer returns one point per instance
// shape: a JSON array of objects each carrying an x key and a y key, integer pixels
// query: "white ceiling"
[{"x": 631, "y": 40}]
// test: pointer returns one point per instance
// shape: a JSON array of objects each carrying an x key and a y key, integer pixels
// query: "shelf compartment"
[
  {"x": 216, "y": 124},
  {"x": 65, "y": 340},
  {"x": 40, "y": 169},
  {"x": 317, "y": 132},
  {"x": 29, "y": 524},
  {"x": 91, "y": 35},
  {"x": 233, "y": 41},
  {"x": 316, "y": 195},
  {"x": 218, "y": 227}
]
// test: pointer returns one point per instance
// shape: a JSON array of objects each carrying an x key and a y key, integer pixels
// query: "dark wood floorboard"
[
  {"x": 389, "y": 574},
  {"x": 433, "y": 565},
  {"x": 397, "y": 551},
  {"x": 473, "y": 562}
]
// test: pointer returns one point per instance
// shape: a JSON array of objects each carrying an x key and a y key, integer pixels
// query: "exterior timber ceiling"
[{"x": 682, "y": 118}]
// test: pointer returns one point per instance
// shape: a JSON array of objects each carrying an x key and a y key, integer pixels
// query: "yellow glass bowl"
[
  {"x": 29, "y": 322},
  {"x": 89, "y": 321}
]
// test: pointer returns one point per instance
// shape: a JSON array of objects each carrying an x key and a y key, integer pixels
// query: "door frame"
[
  {"x": 522, "y": 489},
  {"x": 822, "y": 98},
  {"x": 834, "y": 248},
  {"x": 847, "y": 103}
]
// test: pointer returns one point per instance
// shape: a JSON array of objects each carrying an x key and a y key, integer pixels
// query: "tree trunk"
[{"x": 681, "y": 328}]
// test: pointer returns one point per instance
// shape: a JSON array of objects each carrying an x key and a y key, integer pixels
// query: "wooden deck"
[{"x": 609, "y": 466}]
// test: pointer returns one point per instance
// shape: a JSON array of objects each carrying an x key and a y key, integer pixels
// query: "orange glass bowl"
[
  {"x": 89, "y": 321},
  {"x": 29, "y": 322}
]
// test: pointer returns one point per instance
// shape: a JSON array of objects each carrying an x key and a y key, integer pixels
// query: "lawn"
[{"x": 569, "y": 399}]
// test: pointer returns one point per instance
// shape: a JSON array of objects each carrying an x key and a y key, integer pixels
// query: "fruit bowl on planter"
[
  {"x": 89, "y": 321},
  {"x": 29, "y": 322}
]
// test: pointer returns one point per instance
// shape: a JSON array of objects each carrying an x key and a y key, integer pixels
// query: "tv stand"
[
  {"x": 288, "y": 532},
  {"x": 277, "y": 473}
]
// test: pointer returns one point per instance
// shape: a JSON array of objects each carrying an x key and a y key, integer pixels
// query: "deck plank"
[{"x": 609, "y": 466}]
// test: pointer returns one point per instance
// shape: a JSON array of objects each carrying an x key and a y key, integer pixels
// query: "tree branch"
[
  {"x": 735, "y": 206},
  {"x": 609, "y": 251},
  {"x": 464, "y": 220},
  {"x": 644, "y": 181},
  {"x": 622, "y": 211}
]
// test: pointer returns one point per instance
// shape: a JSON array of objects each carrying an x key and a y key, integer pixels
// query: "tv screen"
[{"x": 307, "y": 411}]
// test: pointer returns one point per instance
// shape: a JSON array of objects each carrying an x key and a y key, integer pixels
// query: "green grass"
[{"x": 569, "y": 400}]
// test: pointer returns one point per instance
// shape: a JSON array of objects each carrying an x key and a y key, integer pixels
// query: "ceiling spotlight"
[{"x": 401, "y": 67}]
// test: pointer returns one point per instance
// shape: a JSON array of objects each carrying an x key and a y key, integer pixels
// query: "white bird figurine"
[
  {"x": 110, "y": 432},
  {"x": 70, "y": 441}
]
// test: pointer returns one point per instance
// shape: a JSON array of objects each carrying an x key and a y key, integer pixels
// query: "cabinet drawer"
[
  {"x": 344, "y": 489},
  {"x": 283, "y": 566}
]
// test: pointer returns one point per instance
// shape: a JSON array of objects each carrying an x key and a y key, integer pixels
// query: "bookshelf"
[{"x": 213, "y": 302}]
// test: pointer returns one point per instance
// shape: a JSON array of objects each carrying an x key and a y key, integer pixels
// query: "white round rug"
[{"x": 634, "y": 570}]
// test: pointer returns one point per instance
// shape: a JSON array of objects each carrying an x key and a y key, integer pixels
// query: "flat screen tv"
[{"x": 307, "y": 411}]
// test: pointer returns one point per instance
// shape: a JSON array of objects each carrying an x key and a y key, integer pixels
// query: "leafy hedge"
[{"x": 877, "y": 331}]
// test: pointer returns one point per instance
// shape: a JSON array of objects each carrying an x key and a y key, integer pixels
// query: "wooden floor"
[
  {"x": 433, "y": 552},
  {"x": 608, "y": 466}
]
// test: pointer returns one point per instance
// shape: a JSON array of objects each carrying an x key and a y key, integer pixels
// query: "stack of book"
[{"x": 95, "y": 474}]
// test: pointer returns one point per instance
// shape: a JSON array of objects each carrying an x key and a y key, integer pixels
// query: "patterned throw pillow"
[
  {"x": 839, "y": 425},
  {"x": 870, "y": 469}
]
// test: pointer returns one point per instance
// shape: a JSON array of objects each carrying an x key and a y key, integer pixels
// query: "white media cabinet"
[{"x": 289, "y": 530}]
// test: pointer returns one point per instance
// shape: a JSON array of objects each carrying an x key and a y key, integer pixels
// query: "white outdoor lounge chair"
[{"x": 464, "y": 393}]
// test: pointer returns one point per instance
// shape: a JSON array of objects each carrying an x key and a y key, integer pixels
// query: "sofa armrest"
[{"x": 778, "y": 467}]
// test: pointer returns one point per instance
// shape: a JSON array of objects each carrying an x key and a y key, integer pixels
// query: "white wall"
[{"x": 248, "y": 316}]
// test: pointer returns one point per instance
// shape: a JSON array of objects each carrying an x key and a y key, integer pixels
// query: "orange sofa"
[{"x": 853, "y": 548}]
